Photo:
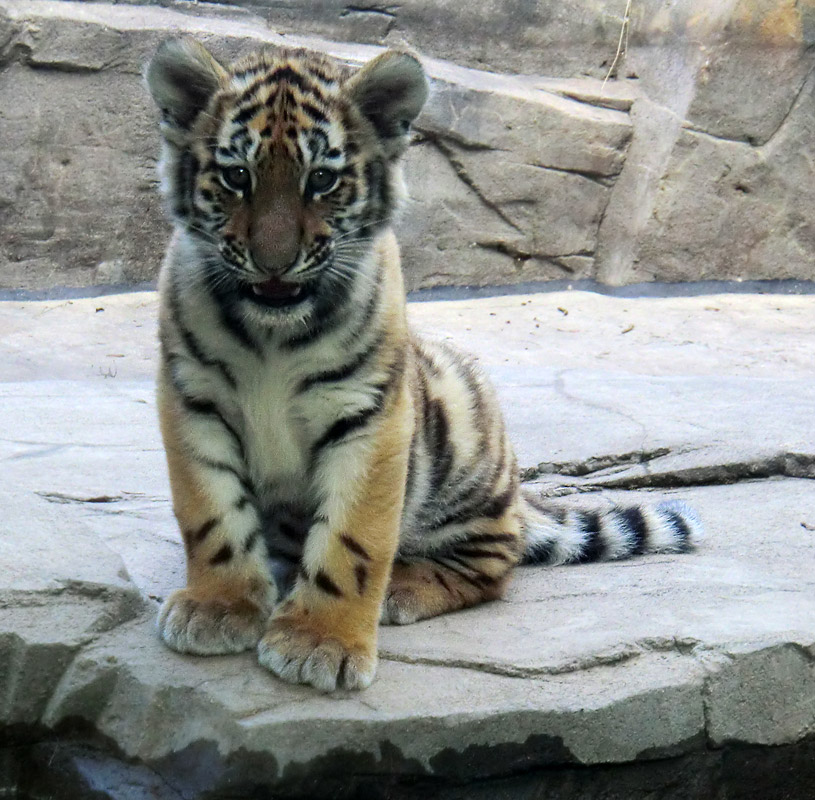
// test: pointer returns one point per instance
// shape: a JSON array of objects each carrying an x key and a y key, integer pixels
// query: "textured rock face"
[
  {"x": 694, "y": 161},
  {"x": 690, "y": 674},
  {"x": 497, "y": 193}
]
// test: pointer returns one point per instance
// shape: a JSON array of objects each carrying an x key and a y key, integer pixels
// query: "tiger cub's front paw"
[
  {"x": 211, "y": 627},
  {"x": 298, "y": 653}
]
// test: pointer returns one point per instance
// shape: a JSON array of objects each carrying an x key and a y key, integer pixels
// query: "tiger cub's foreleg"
[
  {"x": 473, "y": 570},
  {"x": 230, "y": 592},
  {"x": 326, "y": 633}
]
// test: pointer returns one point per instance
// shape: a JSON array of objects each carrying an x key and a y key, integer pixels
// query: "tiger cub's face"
[{"x": 282, "y": 167}]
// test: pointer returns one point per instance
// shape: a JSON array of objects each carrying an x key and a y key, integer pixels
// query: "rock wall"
[{"x": 693, "y": 161}]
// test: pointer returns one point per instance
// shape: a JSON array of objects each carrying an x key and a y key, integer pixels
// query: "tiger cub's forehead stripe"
[{"x": 301, "y": 79}]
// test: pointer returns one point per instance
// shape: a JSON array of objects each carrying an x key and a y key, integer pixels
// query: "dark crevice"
[
  {"x": 782, "y": 465},
  {"x": 384, "y": 11},
  {"x": 465, "y": 178},
  {"x": 593, "y": 464},
  {"x": 522, "y": 256},
  {"x": 595, "y": 177},
  {"x": 434, "y": 136},
  {"x": 786, "y": 465},
  {"x": 611, "y": 103}
]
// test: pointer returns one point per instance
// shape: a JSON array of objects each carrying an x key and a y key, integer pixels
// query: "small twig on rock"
[{"x": 622, "y": 44}]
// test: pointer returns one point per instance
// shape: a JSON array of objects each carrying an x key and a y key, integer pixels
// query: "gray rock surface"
[
  {"x": 695, "y": 659},
  {"x": 693, "y": 161}
]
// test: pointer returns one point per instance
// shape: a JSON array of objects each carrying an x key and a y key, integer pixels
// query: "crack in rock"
[
  {"x": 522, "y": 256},
  {"x": 460, "y": 170},
  {"x": 610, "y": 102},
  {"x": 592, "y": 464},
  {"x": 384, "y": 11},
  {"x": 626, "y": 652},
  {"x": 751, "y": 141},
  {"x": 434, "y": 136},
  {"x": 784, "y": 465},
  {"x": 595, "y": 177},
  {"x": 61, "y": 498}
]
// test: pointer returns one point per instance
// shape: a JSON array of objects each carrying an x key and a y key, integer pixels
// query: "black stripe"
[
  {"x": 322, "y": 581},
  {"x": 291, "y": 76},
  {"x": 199, "y": 534},
  {"x": 251, "y": 540},
  {"x": 346, "y": 370},
  {"x": 282, "y": 73},
  {"x": 440, "y": 578},
  {"x": 436, "y": 431},
  {"x": 476, "y": 552},
  {"x": 222, "y": 556},
  {"x": 345, "y": 425},
  {"x": 479, "y": 579},
  {"x": 593, "y": 547},
  {"x": 186, "y": 168},
  {"x": 498, "y": 504},
  {"x": 342, "y": 427},
  {"x": 541, "y": 553},
  {"x": 241, "y": 503},
  {"x": 209, "y": 408},
  {"x": 355, "y": 547},
  {"x": 320, "y": 74},
  {"x": 225, "y": 302},
  {"x": 361, "y": 574},
  {"x": 491, "y": 507},
  {"x": 329, "y": 314},
  {"x": 245, "y": 114},
  {"x": 222, "y": 466},
  {"x": 633, "y": 519},
  {"x": 410, "y": 480},
  {"x": 490, "y": 538},
  {"x": 679, "y": 525},
  {"x": 342, "y": 673},
  {"x": 318, "y": 140},
  {"x": 364, "y": 320}
]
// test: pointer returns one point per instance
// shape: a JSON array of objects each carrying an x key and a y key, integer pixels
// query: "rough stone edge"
[{"x": 81, "y": 690}]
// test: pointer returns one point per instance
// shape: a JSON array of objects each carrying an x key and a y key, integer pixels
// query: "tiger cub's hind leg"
[{"x": 475, "y": 569}]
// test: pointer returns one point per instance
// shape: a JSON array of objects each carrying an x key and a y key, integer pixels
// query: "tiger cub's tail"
[{"x": 559, "y": 535}]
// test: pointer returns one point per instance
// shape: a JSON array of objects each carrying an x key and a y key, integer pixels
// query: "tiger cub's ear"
[
  {"x": 390, "y": 91},
  {"x": 182, "y": 76}
]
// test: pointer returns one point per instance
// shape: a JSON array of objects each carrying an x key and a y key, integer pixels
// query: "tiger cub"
[{"x": 330, "y": 470}]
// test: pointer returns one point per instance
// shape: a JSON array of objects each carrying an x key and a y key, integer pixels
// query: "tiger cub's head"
[{"x": 283, "y": 166}]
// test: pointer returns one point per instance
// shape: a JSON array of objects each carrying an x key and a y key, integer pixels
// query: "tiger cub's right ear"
[{"x": 182, "y": 76}]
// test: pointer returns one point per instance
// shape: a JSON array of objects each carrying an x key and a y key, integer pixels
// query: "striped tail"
[{"x": 558, "y": 535}]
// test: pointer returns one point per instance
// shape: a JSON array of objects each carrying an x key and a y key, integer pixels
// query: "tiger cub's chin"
[{"x": 303, "y": 422}]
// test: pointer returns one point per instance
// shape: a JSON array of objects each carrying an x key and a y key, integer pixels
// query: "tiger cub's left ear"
[{"x": 390, "y": 91}]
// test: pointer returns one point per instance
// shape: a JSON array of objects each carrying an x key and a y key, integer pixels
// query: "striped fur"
[{"x": 329, "y": 469}]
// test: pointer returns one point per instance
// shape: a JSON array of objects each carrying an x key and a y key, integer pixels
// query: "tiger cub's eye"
[
  {"x": 321, "y": 180},
  {"x": 237, "y": 178}
]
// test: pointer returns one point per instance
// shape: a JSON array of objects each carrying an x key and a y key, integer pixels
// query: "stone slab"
[{"x": 608, "y": 398}]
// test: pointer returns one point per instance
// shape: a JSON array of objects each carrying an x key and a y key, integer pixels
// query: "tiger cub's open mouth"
[{"x": 276, "y": 293}]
